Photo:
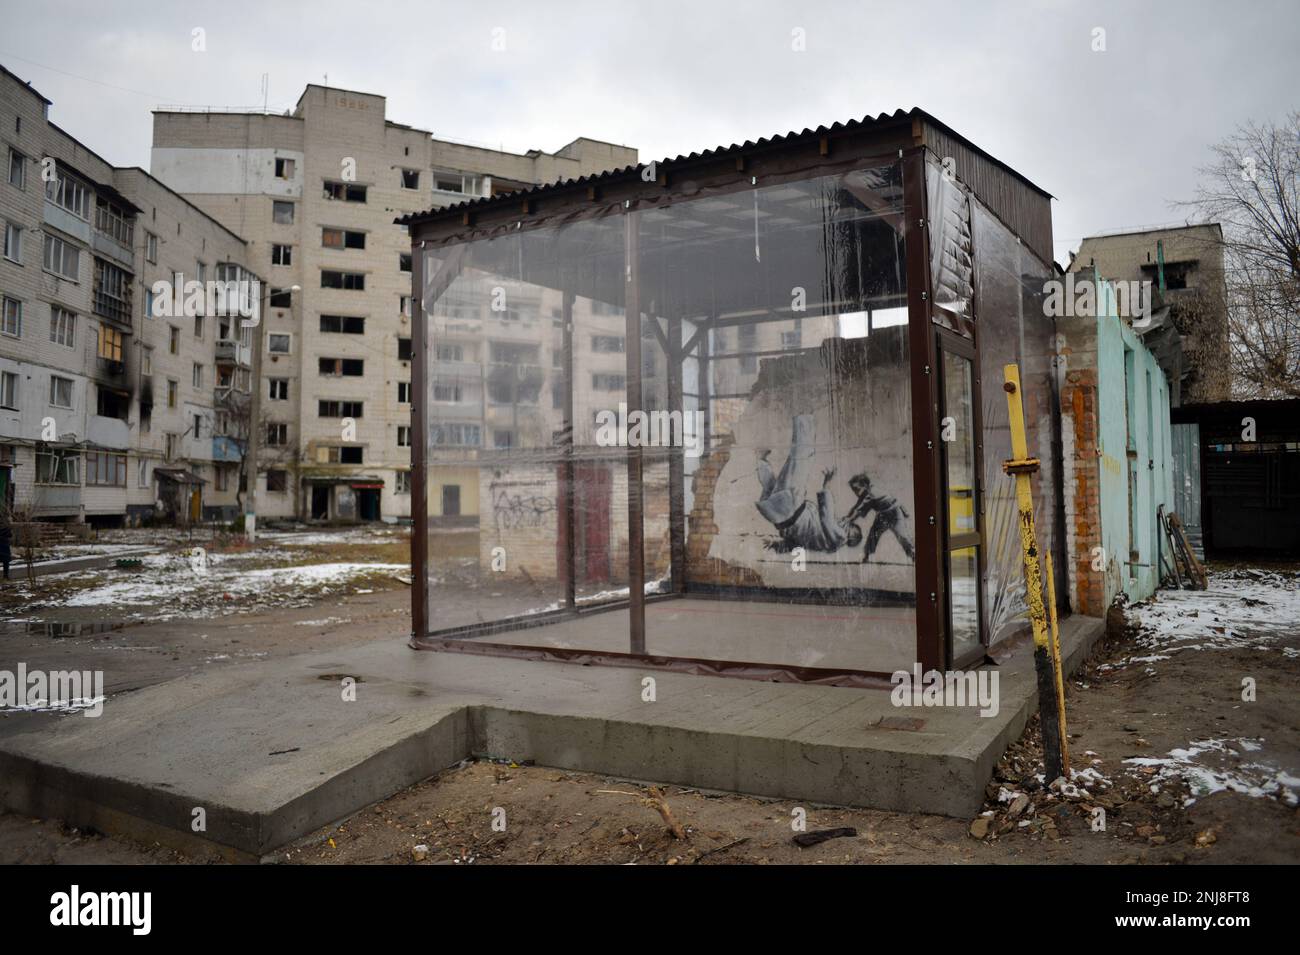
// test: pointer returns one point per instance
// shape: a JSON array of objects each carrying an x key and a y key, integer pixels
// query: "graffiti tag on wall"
[{"x": 521, "y": 506}]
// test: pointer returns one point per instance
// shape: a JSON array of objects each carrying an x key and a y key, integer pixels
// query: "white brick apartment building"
[
  {"x": 315, "y": 193},
  {"x": 107, "y": 413}
]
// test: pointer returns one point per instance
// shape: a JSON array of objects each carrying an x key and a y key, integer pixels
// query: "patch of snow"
[
  {"x": 1239, "y": 610},
  {"x": 1216, "y": 765}
]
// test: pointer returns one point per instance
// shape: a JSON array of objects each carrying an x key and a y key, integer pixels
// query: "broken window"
[
  {"x": 283, "y": 168},
  {"x": 57, "y": 465},
  {"x": 111, "y": 403},
  {"x": 282, "y": 212},
  {"x": 410, "y": 179},
  {"x": 338, "y": 454},
  {"x": 348, "y": 367},
  {"x": 277, "y": 480},
  {"x": 342, "y": 238},
  {"x": 351, "y": 281},
  {"x": 343, "y": 324},
  {"x": 344, "y": 191},
  {"x": 330, "y": 408}
]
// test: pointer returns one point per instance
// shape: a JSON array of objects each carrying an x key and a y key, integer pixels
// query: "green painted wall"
[{"x": 1134, "y": 445}]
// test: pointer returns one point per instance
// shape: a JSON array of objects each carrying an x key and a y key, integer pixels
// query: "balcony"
[
  {"x": 230, "y": 352},
  {"x": 65, "y": 221},
  {"x": 107, "y": 432}
]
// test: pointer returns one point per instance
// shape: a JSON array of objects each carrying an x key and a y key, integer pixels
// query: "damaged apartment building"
[
  {"x": 315, "y": 192},
  {"x": 1184, "y": 266},
  {"x": 109, "y": 414}
]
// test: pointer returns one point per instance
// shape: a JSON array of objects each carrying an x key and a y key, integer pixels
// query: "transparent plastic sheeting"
[
  {"x": 1005, "y": 293},
  {"x": 1013, "y": 328},
  {"x": 768, "y": 356},
  {"x": 951, "y": 264}
]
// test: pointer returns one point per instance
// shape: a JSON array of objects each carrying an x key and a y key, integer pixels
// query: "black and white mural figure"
[
  {"x": 890, "y": 516},
  {"x": 813, "y": 526},
  {"x": 784, "y": 502}
]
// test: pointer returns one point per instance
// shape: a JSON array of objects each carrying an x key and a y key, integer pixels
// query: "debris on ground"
[{"x": 806, "y": 839}]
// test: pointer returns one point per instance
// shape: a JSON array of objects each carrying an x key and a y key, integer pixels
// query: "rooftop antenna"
[{"x": 266, "y": 83}]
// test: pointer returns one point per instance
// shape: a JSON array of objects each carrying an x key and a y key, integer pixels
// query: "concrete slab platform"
[
  {"x": 271, "y": 751},
  {"x": 753, "y": 630}
]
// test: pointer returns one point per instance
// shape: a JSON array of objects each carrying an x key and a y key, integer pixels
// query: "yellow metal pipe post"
[{"x": 1021, "y": 467}]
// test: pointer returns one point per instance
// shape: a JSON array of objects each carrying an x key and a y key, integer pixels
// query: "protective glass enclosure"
[{"x": 751, "y": 425}]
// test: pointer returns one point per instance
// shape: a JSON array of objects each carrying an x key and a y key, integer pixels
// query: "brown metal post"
[
  {"x": 676, "y": 460},
  {"x": 567, "y": 493},
  {"x": 419, "y": 451},
  {"x": 931, "y": 620},
  {"x": 635, "y": 504},
  {"x": 705, "y": 383}
]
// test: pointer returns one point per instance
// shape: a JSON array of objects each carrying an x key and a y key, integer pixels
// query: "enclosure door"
[{"x": 959, "y": 434}]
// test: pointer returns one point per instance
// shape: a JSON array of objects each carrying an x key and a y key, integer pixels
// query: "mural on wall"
[
  {"x": 784, "y": 502},
  {"x": 795, "y": 521}
]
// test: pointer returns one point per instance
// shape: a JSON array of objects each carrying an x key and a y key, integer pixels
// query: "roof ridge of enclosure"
[{"x": 790, "y": 138}]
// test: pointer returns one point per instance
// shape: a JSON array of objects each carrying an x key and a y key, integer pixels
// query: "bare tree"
[
  {"x": 238, "y": 405},
  {"x": 25, "y": 528},
  {"x": 1250, "y": 188}
]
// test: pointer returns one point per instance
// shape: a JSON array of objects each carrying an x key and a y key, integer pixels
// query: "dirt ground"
[{"x": 1184, "y": 769}]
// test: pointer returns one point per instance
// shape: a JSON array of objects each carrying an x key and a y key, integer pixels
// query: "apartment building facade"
[
  {"x": 1184, "y": 266},
  {"x": 112, "y": 408},
  {"x": 315, "y": 192}
]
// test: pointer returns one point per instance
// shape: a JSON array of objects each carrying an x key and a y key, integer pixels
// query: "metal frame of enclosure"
[{"x": 818, "y": 322}]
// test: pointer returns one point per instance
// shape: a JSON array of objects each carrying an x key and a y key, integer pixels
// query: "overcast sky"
[{"x": 1116, "y": 136}]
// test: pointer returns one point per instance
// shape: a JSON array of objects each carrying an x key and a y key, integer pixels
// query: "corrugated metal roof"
[{"x": 716, "y": 152}]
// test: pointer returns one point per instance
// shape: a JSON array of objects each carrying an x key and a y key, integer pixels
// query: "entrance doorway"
[
  {"x": 320, "y": 502},
  {"x": 367, "y": 503},
  {"x": 451, "y": 500}
]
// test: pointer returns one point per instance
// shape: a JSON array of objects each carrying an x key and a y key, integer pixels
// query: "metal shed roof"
[{"x": 770, "y": 142}]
